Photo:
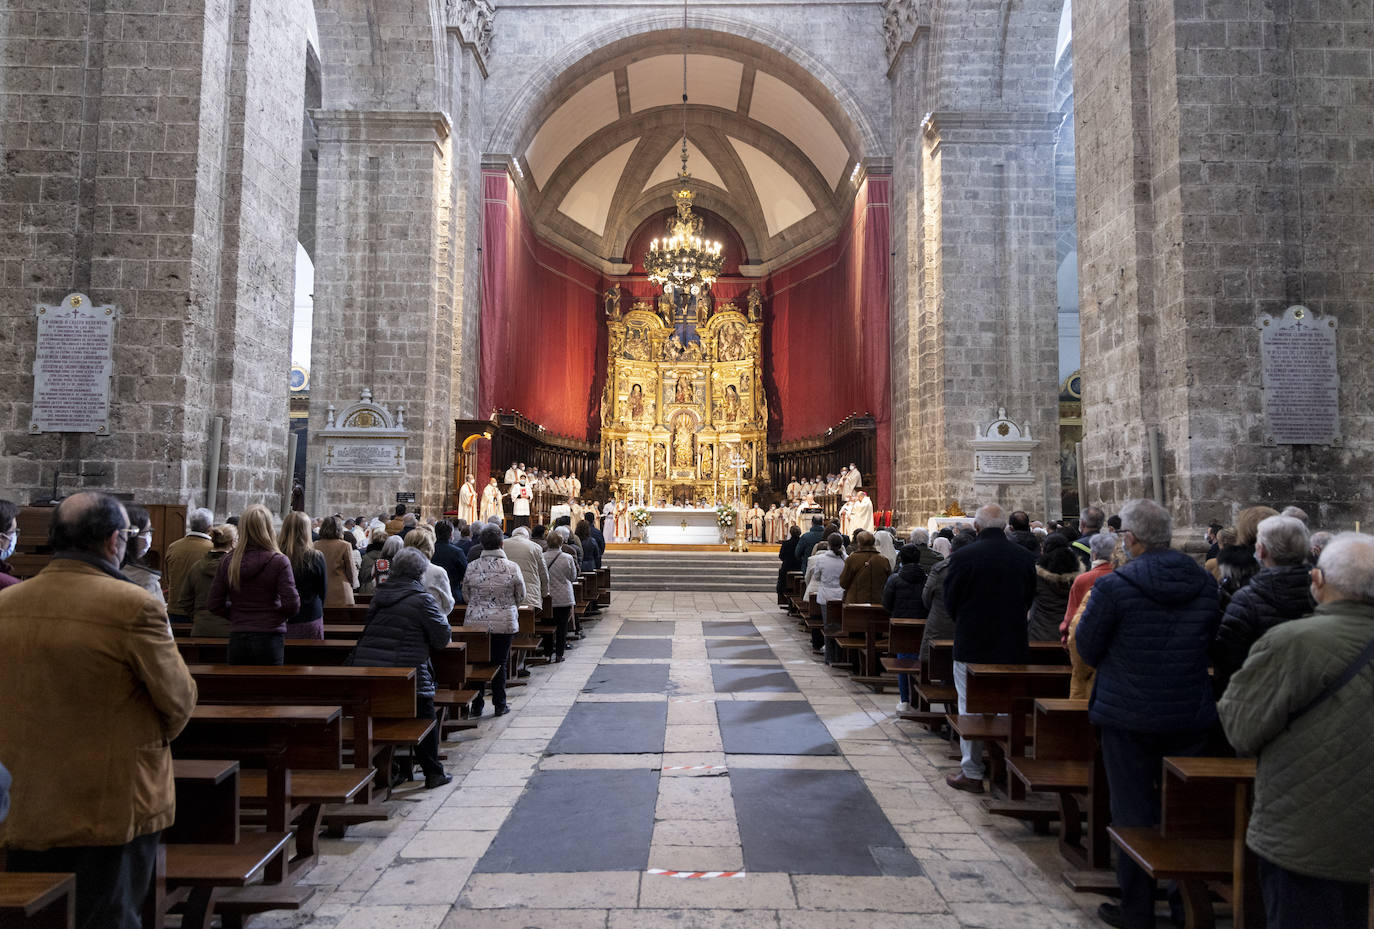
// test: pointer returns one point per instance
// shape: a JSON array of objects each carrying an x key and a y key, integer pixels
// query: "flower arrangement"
[
  {"x": 725, "y": 516},
  {"x": 641, "y": 517}
]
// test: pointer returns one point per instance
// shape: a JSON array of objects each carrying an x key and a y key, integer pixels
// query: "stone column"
[
  {"x": 1223, "y": 157},
  {"x": 152, "y": 161},
  {"x": 384, "y": 313},
  {"x": 983, "y": 327}
]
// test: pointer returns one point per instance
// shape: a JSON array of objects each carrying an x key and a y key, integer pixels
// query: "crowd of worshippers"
[
  {"x": 1267, "y": 650},
  {"x": 100, "y": 611}
]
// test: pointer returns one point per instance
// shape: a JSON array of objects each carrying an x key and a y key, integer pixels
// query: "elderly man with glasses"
[
  {"x": 80, "y": 642},
  {"x": 1146, "y": 629}
]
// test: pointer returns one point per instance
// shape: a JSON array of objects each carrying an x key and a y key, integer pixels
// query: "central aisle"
[{"x": 691, "y": 765}]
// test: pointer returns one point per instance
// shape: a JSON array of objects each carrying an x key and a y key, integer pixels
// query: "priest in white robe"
[
  {"x": 510, "y": 475},
  {"x": 608, "y": 520},
  {"x": 849, "y": 483},
  {"x": 467, "y": 499},
  {"x": 861, "y": 513},
  {"x": 491, "y": 501}
]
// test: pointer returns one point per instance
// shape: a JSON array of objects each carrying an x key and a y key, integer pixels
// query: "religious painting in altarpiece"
[{"x": 683, "y": 404}]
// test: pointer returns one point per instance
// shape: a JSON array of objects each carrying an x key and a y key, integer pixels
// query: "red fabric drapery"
[
  {"x": 827, "y": 338},
  {"x": 542, "y": 341}
]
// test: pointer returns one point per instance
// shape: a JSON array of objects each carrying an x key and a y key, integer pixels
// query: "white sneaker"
[{"x": 904, "y": 708}]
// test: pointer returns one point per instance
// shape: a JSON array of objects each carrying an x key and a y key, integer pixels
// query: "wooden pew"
[
  {"x": 934, "y": 685},
  {"x": 40, "y": 901},
  {"x": 1068, "y": 764},
  {"x": 870, "y": 622},
  {"x": 209, "y": 874},
  {"x": 997, "y": 699},
  {"x": 379, "y": 701},
  {"x": 603, "y": 586},
  {"x": 1205, "y": 806},
  {"x": 308, "y": 740}
]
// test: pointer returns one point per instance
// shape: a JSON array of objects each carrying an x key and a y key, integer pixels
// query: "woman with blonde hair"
[
  {"x": 307, "y": 567},
  {"x": 340, "y": 570},
  {"x": 435, "y": 577},
  {"x": 254, "y": 588}
]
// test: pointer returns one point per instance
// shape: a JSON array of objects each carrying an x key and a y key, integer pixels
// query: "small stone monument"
[
  {"x": 365, "y": 439},
  {"x": 1002, "y": 452}
]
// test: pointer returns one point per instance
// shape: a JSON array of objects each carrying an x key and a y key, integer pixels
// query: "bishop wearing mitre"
[{"x": 861, "y": 513}]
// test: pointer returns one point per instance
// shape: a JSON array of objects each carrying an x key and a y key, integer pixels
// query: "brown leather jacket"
[
  {"x": 94, "y": 691},
  {"x": 865, "y": 576}
]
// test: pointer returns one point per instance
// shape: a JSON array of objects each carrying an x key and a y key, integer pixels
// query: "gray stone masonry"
[{"x": 1224, "y": 157}]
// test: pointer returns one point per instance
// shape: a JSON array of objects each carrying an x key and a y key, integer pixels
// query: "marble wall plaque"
[
  {"x": 72, "y": 367},
  {"x": 1301, "y": 382},
  {"x": 364, "y": 456}
]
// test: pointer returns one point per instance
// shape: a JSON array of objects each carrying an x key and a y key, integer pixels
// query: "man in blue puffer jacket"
[{"x": 1147, "y": 628}]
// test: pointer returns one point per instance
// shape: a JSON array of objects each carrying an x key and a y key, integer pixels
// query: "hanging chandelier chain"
[{"x": 684, "y": 262}]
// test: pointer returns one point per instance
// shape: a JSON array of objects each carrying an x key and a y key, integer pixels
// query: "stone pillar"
[
  {"x": 983, "y": 328},
  {"x": 384, "y": 313},
  {"x": 1223, "y": 155},
  {"x": 152, "y": 161}
]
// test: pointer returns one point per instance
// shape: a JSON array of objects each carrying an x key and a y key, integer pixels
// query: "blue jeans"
[{"x": 904, "y": 680}]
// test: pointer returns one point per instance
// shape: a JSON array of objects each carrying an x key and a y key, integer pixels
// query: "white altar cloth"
[{"x": 675, "y": 525}]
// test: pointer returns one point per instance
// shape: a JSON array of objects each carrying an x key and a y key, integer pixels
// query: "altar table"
[{"x": 682, "y": 526}]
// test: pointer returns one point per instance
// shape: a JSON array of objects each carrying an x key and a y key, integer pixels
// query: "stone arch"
[{"x": 532, "y": 102}]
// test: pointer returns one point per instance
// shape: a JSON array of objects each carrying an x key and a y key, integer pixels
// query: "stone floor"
[{"x": 587, "y": 843}]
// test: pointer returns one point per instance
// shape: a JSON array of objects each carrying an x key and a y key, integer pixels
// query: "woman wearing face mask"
[
  {"x": 9, "y": 541},
  {"x": 134, "y": 566}
]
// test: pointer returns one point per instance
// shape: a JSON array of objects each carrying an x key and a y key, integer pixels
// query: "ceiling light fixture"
[{"x": 683, "y": 260}]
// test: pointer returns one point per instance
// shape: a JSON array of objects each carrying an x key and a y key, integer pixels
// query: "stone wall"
[
  {"x": 1223, "y": 155},
  {"x": 974, "y": 310},
  {"x": 144, "y": 166}
]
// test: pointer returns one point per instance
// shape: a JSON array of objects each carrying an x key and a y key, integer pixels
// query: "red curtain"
[
  {"x": 542, "y": 340},
  {"x": 827, "y": 332}
]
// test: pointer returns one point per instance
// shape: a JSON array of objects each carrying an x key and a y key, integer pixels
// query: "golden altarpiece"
[{"x": 684, "y": 418}]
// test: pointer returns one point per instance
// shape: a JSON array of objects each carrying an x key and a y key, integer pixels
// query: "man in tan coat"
[
  {"x": 183, "y": 554},
  {"x": 94, "y": 691}
]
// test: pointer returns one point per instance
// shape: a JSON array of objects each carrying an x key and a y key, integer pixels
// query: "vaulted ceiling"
[{"x": 769, "y": 148}]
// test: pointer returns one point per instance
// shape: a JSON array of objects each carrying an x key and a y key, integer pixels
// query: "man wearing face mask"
[
  {"x": 1147, "y": 628},
  {"x": 9, "y": 541},
  {"x": 79, "y": 641}
]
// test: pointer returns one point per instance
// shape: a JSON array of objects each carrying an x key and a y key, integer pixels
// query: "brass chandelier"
[{"x": 683, "y": 260}]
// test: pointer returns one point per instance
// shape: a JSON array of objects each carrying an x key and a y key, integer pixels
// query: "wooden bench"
[
  {"x": 368, "y": 695},
  {"x": 1204, "y": 810},
  {"x": 603, "y": 586},
  {"x": 934, "y": 686},
  {"x": 1009, "y": 691},
  {"x": 1068, "y": 764},
  {"x": 309, "y": 740},
  {"x": 40, "y": 901},
  {"x": 870, "y": 623},
  {"x": 205, "y": 864}
]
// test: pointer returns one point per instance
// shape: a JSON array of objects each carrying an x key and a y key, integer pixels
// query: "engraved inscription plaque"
[
  {"x": 1301, "y": 382},
  {"x": 72, "y": 367}
]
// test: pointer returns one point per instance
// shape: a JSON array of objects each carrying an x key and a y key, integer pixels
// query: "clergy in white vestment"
[
  {"x": 520, "y": 496},
  {"x": 793, "y": 490},
  {"x": 756, "y": 523},
  {"x": 491, "y": 501},
  {"x": 510, "y": 475},
  {"x": 861, "y": 514},
  {"x": 608, "y": 520},
  {"x": 574, "y": 485},
  {"x": 846, "y": 517},
  {"x": 622, "y": 521},
  {"x": 850, "y": 481},
  {"x": 467, "y": 499},
  {"x": 770, "y": 525}
]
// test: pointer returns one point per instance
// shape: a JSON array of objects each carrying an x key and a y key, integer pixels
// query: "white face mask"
[
  {"x": 145, "y": 542},
  {"x": 9, "y": 545}
]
